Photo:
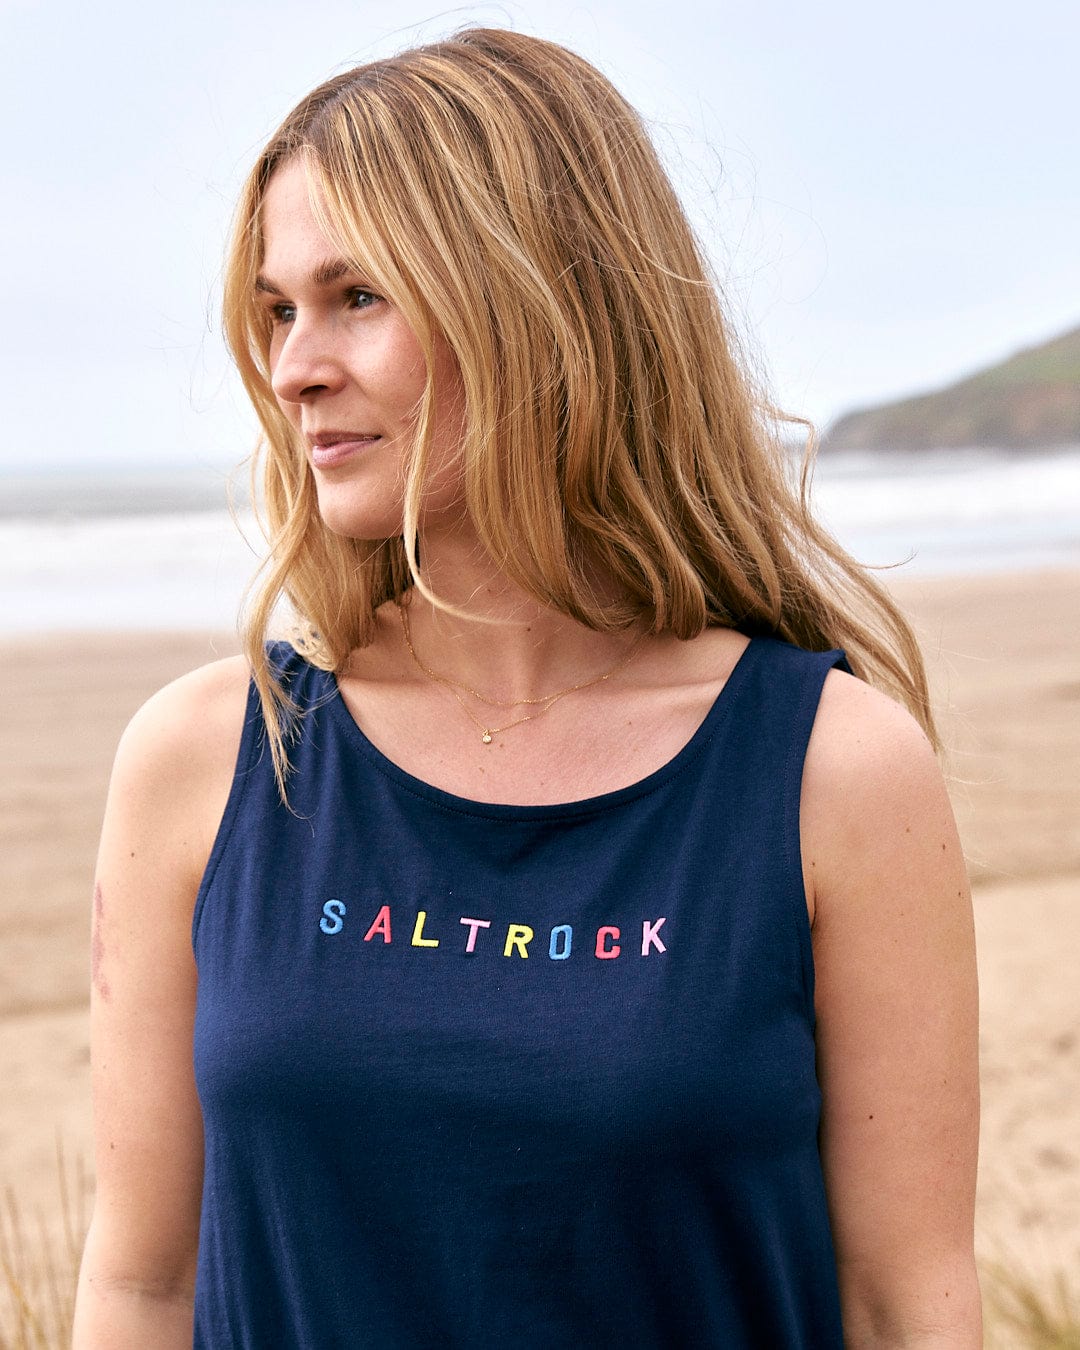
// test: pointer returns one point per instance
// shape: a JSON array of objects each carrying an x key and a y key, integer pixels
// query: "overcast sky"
[{"x": 892, "y": 193}]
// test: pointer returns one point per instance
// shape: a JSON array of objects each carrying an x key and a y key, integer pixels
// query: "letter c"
[{"x": 603, "y": 952}]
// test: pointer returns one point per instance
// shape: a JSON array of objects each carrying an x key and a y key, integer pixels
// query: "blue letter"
[
  {"x": 566, "y": 933},
  {"x": 334, "y": 921}
]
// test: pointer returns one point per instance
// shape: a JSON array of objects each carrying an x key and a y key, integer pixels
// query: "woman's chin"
[{"x": 351, "y": 521}]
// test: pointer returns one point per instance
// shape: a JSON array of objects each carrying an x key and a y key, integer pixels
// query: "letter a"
[
  {"x": 650, "y": 937},
  {"x": 380, "y": 926}
]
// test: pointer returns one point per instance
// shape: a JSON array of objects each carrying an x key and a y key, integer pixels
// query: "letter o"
[{"x": 562, "y": 939}]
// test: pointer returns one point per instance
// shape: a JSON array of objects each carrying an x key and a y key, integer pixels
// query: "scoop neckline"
[{"x": 450, "y": 801}]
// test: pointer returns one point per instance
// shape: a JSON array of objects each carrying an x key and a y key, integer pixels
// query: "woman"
[{"x": 581, "y": 955}]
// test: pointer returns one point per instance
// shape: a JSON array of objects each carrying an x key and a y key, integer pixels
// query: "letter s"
[{"x": 334, "y": 921}]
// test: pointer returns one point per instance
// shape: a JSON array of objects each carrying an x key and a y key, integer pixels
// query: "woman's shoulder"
[
  {"x": 873, "y": 790},
  {"x": 194, "y": 713},
  {"x": 176, "y": 759},
  {"x": 862, "y": 733}
]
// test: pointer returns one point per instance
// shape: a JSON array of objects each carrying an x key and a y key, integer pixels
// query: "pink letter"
[
  {"x": 650, "y": 937},
  {"x": 381, "y": 925},
  {"x": 607, "y": 953},
  {"x": 474, "y": 924}
]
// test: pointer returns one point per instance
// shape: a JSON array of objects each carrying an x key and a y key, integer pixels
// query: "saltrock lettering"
[{"x": 515, "y": 941}]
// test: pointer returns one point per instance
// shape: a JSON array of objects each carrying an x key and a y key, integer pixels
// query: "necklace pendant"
[{"x": 486, "y": 737}]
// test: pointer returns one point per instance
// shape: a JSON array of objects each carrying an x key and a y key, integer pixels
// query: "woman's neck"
[{"x": 514, "y": 648}]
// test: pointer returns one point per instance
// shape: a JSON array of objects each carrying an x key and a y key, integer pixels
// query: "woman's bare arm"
[
  {"x": 169, "y": 786},
  {"x": 897, "y": 1034}
]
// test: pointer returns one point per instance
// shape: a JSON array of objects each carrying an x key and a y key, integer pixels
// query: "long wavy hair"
[{"x": 502, "y": 194}]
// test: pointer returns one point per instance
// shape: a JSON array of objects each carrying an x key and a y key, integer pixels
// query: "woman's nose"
[{"x": 305, "y": 364}]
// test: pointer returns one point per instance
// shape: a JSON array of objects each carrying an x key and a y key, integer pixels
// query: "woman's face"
[{"x": 349, "y": 374}]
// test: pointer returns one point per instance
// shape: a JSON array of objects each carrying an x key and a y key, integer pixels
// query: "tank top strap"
[
  {"x": 779, "y": 697},
  {"x": 785, "y": 687},
  {"x": 763, "y": 753},
  {"x": 254, "y": 790}
]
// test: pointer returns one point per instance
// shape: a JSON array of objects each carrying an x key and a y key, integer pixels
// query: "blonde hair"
[{"x": 521, "y": 213}]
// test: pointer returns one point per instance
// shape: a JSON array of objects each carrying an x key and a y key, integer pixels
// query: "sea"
[{"x": 110, "y": 550}]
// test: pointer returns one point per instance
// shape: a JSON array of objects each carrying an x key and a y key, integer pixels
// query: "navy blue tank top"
[{"x": 516, "y": 1076}]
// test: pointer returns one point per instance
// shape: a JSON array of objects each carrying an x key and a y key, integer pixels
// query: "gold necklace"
[{"x": 488, "y": 734}]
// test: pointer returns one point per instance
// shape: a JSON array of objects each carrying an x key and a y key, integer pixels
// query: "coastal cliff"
[{"x": 1030, "y": 401}]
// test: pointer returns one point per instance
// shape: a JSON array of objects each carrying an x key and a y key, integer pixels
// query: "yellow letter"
[
  {"x": 517, "y": 935},
  {"x": 418, "y": 939}
]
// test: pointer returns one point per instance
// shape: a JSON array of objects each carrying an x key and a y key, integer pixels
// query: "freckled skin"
[{"x": 97, "y": 945}]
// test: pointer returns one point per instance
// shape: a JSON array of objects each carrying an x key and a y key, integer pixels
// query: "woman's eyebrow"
[{"x": 325, "y": 274}]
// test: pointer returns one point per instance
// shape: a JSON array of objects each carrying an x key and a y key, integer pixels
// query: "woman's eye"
[{"x": 283, "y": 313}]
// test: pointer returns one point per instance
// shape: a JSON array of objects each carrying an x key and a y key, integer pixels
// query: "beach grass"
[
  {"x": 1030, "y": 1316},
  {"x": 39, "y": 1261}
]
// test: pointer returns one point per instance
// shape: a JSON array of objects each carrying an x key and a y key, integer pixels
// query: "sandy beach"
[{"x": 1004, "y": 656}]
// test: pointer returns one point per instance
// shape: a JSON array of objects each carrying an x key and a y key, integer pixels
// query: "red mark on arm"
[{"x": 97, "y": 945}]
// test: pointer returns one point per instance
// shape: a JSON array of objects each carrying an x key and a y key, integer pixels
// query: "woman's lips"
[{"x": 338, "y": 451}]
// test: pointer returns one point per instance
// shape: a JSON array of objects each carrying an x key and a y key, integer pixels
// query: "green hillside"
[{"x": 1030, "y": 401}]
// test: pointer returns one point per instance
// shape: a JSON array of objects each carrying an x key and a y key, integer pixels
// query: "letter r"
[{"x": 518, "y": 935}]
